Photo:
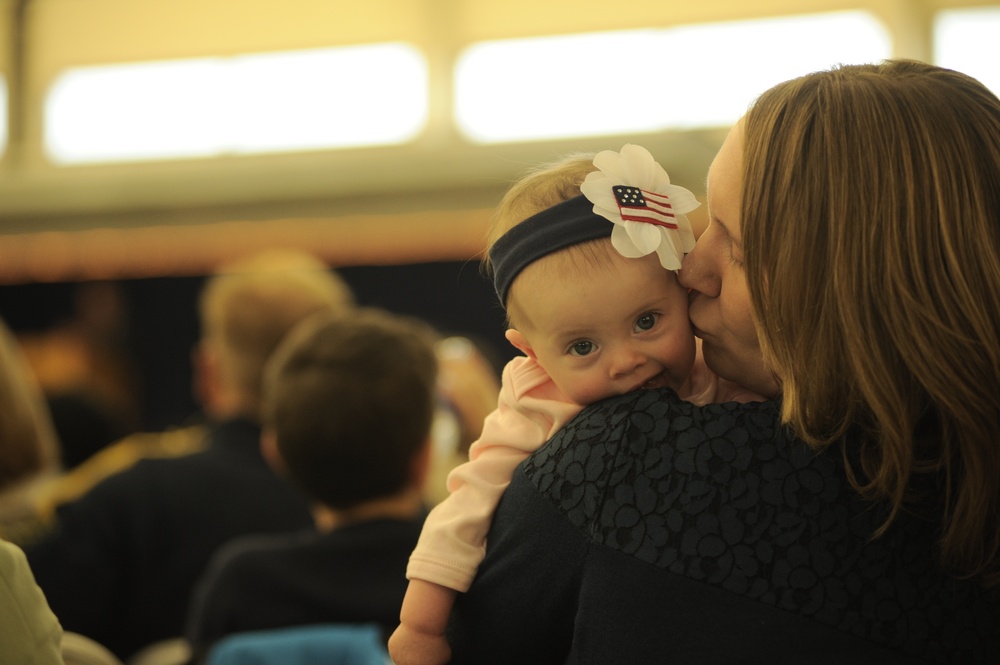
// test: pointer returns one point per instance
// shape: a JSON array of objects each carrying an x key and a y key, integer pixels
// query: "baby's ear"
[{"x": 518, "y": 340}]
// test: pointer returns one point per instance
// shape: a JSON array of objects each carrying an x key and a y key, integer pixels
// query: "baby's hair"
[{"x": 541, "y": 188}]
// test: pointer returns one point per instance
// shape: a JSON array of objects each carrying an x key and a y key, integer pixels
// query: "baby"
[{"x": 582, "y": 254}]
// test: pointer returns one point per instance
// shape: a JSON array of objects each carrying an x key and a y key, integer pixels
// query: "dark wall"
[{"x": 163, "y": 324}]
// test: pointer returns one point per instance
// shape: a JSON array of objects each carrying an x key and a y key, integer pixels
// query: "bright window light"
[
  {"x": 966, "y": 40},
  {"x": 561, "y": 86},
  {"x": 307, "y": 100},
  {"x": 639, "y": 81}
]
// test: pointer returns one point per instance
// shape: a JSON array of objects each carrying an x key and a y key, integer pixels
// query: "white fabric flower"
[{"x": 635, "y": 193}]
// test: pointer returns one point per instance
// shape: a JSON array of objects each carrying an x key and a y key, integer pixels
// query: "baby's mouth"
[{"x": 658, "y": 381}]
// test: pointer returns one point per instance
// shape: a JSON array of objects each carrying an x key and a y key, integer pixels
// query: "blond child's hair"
[{"x": 250, "y": 304}]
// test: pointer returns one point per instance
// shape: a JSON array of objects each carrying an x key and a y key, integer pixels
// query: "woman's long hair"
[{"x": 871, "y": 228}]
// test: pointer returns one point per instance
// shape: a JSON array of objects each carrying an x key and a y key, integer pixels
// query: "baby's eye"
[
  {"x": 581, "y": 348},
  {"x": 646, "y": 321}
]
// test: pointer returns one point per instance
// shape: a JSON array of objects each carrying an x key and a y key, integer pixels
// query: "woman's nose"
[{"x": 699, "y": 273}]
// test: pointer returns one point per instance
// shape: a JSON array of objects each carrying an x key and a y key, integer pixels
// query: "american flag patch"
[{"x": 637, "y": 205}]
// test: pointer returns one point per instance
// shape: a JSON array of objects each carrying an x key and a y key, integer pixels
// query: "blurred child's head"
[
  {"x": 350, "y": 401},
  {"x": 599, "y": 323},
  {"x": 249, "y": 305}
]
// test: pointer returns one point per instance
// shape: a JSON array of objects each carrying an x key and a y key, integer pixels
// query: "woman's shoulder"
[
  {"x": 632, "y": 425},
  {"x": 645, "y": 438},
  {"x": 656, "y": 416},
  {"x": 725, "y": 495}
]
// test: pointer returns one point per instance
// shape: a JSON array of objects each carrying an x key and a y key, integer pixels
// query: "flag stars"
[{"x": 629, "y": 196}]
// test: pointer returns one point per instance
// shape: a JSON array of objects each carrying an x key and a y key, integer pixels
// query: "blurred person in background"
[
  {"x": 468, "y": 384},
  {"x": 80, "y": 352},
  {"x": 121, "y": 560},
  {"x": 349, "y": 403}
]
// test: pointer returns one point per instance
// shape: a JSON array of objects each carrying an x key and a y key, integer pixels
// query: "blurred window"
[
  {"x": 303, "y": 100},
  {"x": 3, "y": 114},
  {"x": 969, "y": 40},
  {"x": 647, "y": 80}
]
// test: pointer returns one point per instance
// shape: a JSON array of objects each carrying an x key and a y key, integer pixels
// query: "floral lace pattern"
[{"x": 722, "y": 494}]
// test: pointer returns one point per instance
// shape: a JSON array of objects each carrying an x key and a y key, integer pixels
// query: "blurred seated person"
[
  {"x": 348, "y": 408},
  {"x": 29, "y": 447},
  {"x": 85, "y": 424},
  {"x": 468, "y": 384},
  {"x": 121, "y": 561},
  {"x": 121, "y": 454}
]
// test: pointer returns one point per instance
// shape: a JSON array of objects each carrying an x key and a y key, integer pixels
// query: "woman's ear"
[{"x": 518, "y": 340}]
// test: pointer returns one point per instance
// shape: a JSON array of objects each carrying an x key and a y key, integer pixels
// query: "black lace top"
[{"x": 652, "y": 530}]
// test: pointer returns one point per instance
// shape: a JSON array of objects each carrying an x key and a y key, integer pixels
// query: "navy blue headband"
[{"x": 564, "y": 224}]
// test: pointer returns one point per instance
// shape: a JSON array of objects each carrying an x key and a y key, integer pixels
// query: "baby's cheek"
[
  {"x": 680, "y": 361},
  {"x": 584, "y": 392}
]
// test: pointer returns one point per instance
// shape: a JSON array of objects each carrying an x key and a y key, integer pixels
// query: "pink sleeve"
[{"x": 453, "y": 541}]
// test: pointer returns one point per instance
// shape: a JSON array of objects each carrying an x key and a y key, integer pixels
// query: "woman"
[{"x": 850, "y": 271}]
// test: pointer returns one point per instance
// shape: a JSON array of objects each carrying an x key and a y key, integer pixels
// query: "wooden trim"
[{"x": 105, "y": 254}]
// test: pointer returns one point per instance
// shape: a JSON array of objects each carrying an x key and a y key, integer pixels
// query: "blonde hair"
[
  {"x": 541, "y": 188},
  {"x": 250, "y": 304},
  {"x": 872, "y": 195},
  {"x": 28, "y": 442}
]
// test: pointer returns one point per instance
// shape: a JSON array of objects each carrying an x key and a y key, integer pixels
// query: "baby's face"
[{"x": 607, "y": 330}]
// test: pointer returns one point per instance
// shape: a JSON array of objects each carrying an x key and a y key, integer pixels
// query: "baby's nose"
[{"x": 626, "y": 361}]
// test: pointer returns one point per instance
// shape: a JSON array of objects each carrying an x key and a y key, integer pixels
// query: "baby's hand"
[{"x": 410, "y": 647}]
